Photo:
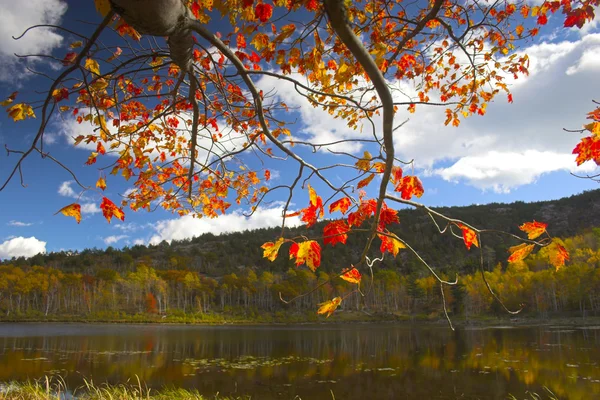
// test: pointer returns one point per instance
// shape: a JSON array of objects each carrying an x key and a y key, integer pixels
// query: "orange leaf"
[
  {"x": 72, "y": 210},
  {"x": 271, "y": 249},
  {"x": 557, "y": 255},
  {"x": 351, "y": 275},
  {"x": 365, "y": 182},
  {"x": 533, "y": 229},
  {"x": 336, "y": 232},
  {"x": 308, "y": 253},
  {"x": 469, "y": 236},
  {"x": 101, "y": 184},
  {"x": 109, "y": 210},
  {"x": 342, "y": 205},
  {"x": 314, "y": 210},
  {"x": 329, "y": 306},
  {"x": 519, "y": 252},
  {"x": 391, "y": 244}
]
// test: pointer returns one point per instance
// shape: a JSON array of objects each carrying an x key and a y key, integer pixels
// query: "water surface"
[{"x": 354, "y": 361}]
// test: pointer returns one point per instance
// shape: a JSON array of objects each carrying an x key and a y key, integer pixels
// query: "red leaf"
[
  {"x": 109, "y": 210},
  {"x": 342, "y": 205},
  {"x": 542, "y": 19},
  {"x": 518, "y": 253},
  {"x": 387, "y": 216},
  {"x": 365, "y": 210},
  {"x": 365, "y": 182},
  {"x": 263, "y": 12},
  {"x": 336, "y": 232},
  {"x": 69, "y": 59},
  {"x": 314, "y": 210},
  {"x": 391, "y": 244},
  {"x": 410, "y": 186}
]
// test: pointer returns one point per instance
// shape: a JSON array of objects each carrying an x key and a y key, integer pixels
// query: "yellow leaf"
[
  {"x": 329, "y": 306},
  {"x": 92, "y": 66},
  {"x": 308, "y": 252},
  {"x": 76, "y": 44},
  {"x": 102, "y": 6},
  {"x": 518, "y": 253},
  {"x": 271, "y": 249},
  {"x": 101, "y": 183},
  {"x": 365, "y": 162},
  {"x": 9, "y": 100},
  {"x": 20, "y": 111},
  {"x": 72, "y": 210}
]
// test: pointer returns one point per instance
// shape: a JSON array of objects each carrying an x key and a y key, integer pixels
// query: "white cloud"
[
  {"x": 90, "y": 208},
  {"x": 17, "y": 16},
  {"x": 187, "y": 226},
  {"x": 66, "y": 190},
  {"x": 19, "y": 223},
  {"x": 503, "y": 171},
  {"x": 21, "y": 246},
  {"x": 139, "y": 242},
  {"x": 114, "y": 238}
]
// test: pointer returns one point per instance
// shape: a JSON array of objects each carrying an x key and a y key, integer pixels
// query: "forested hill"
[{"x": 218, "y": 255}]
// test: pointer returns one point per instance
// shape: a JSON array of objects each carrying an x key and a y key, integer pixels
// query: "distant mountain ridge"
[{"x": 217, "y": 255}]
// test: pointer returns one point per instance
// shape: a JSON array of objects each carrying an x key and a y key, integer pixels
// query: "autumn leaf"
[
  {"x": 92, "y": 66},
  {"x": 329, "y": 306},
  {"x": 9, "y": 100},
  {"x": 314, "y": 210},
  {"x": 387, "y": 216},
  {"x": 351, "y": 275},
  {"x": 533, "y": 229},
  {"x": 263, "y": 12},
  {"x": 558, "y": 255},
  {"x": 101, "y": 183},
  {"x": 410, "y": 186},
  {"x": 364, "y": 163},
  {"x": 341, "y": 205},
  {"x": 365, "y": 182},
  {"x": 308, "y": 252},
  {"x": 518, "y": 253},
  {"x": 20, "y": 111},
  {"x": 102, "y": 6},
  {"x": 469, "y": 236},
  {"x": 60, "y": 94},
  {"x": 109, "y": 210},
  {"x": 271, "y": 249},
  {"x": 72, "y": 210},
  {"x": 390, "y": 244},
  {"x": 336, "y": 232},
  {"x": 69, "y": 59}
]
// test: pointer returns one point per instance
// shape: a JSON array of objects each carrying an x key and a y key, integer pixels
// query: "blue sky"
[{"x": 516, "y": 152}]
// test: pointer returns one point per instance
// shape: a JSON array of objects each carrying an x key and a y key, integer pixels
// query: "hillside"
[{"x": 218, "y": 255}]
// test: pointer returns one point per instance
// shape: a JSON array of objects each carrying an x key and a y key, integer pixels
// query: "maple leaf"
[
  {"x": 328, "y": 307},
  {"x": 342, "y": 205},
  {"x": 364, "y": 163},
  {"x": 351, "y": 275},
  {"x": 365, "y": 210},
  {"x": 391, "y": 244},
  {"x": 409, "y": 186},
  {"x": 20, "y": 111},
  {"x": 533, "y": 229},
  {"x": 557, "y": 255},
  {"x": 308, "y": 252},
  {"x": 469, "y": 236},
  {"x": 101, "y": 183},
  {"x": 60, "y": 94},
  {"x": 92, "y": 66},
  {"x": 102, "y": 6},
  {"x": 365, "y": 182},
  {"x": 9, "y": 100},
  {"x": 272, "y": 249},
  {"x": 109, "y": 210},
  {"x": 72, "y": 210},
  {"x": 69, "y": 59},
  {"x": 588, "y": 149},
  {"x": 518, "y": 253},
  {"x": 314, "y": 210},
  {"x": 387, "y": 216},
  {"x": 263, "y": 12},
  {"x": 336, "y": 232}
]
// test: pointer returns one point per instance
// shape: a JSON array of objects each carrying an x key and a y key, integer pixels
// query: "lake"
[{"x": 352, "y": 361}]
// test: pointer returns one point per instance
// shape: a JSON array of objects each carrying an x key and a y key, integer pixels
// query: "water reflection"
[{"x": 354, "y": 361}]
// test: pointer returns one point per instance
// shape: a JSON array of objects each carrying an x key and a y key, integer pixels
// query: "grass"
[{"x": 55, "y": 388}]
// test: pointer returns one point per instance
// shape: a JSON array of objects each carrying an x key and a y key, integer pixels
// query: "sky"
[{"x": 517, "y": 151}]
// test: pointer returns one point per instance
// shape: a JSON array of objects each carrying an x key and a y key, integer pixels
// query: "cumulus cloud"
[
  {"x": 90, "y": 208},
  {"x": 501, "y": 171},
  {"x": 17, "y": 16},
  {"x": 66, "y": 190},
  {"x": 114, "y": 238},
  {"x": 21, "y": 246},
  {"x": 187, "y": 226},
  {"x": 19, "y": 223}
]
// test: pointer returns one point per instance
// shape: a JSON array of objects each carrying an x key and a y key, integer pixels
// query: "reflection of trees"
[{"x": 364, "y": 361}]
